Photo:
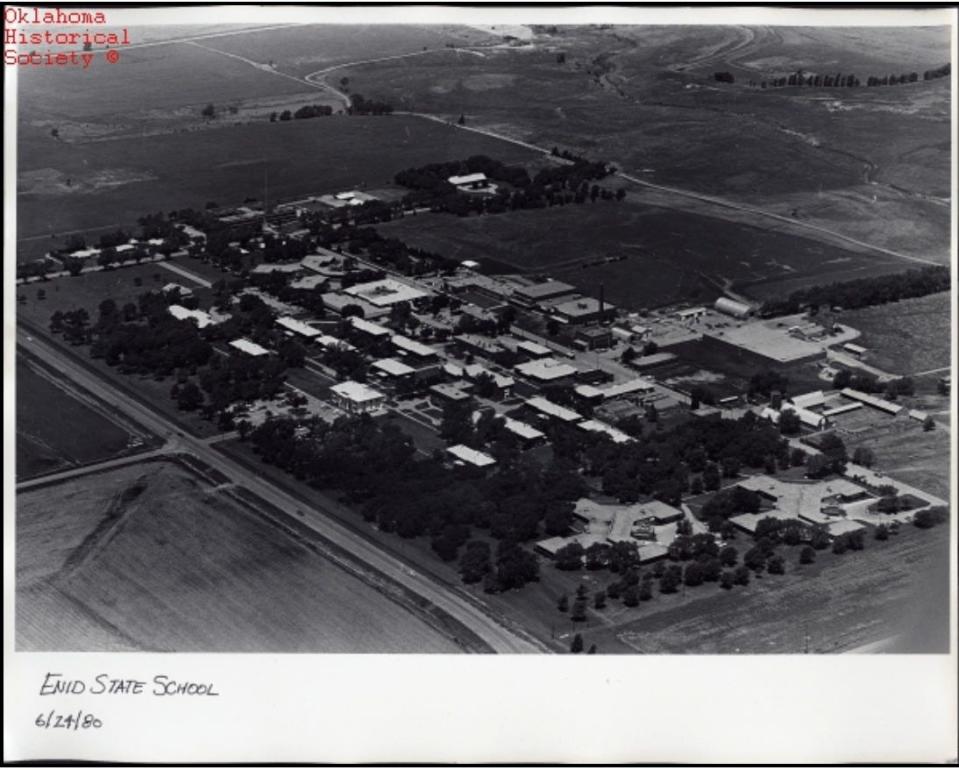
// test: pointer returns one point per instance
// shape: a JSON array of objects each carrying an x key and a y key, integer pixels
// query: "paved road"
[
  {"x": 497, "y": 636},
  {"x": 85, "y": 470},
  {"x": 186, "y": 274}
]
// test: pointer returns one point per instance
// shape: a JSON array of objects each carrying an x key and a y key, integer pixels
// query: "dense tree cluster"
[
  {"x": 863, "y": 292},
  {"x": 376, "y": 466},
  {"x": 359, "y": 105},
  {"x": 724, "y": 77},
  {"x": 569, "y": 183},
  {"x": 663, "y": 462},
  {"x": 312, "y": 111}
]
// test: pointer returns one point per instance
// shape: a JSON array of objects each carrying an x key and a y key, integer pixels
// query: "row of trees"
[
  {"x": 359, "y": 105},
  {"x": 305, "y": 112},
  {"x": 863, "y": 292},
  {"x": 802, "y": 79}
]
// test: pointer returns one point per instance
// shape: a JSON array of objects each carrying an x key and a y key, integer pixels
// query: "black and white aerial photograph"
[{"x": 548, "y": 338}]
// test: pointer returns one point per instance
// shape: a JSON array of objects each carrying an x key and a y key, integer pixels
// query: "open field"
[
  {"x": 866, "y": 162},
  {"x": 127, "y": 564},
  {"x": 903, "y": 449},
  {"x": 56, "y": 431},
  {"x": 897, "y": 588},
  {"x": 669, "y": 255},
  {"x": 114, "y": 182},
  {"x": 905, "y": 337}
]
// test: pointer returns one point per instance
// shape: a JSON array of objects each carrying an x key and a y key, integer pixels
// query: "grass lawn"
[
  {"x": 154, "y": 558},
  {"x": 55, "y": 430},
  {"x": 662, "y": 256},
  {"x": 905, "y": 337}
]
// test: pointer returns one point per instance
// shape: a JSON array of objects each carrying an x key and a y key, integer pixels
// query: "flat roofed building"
[
  {"x": 357, "y": 397},
  {"x": 873, "y": 401},
  {"x": 412, "y": 347},
  {"x": 637, "y": 385},
  {"x": 500, "y": 381},
  {"x": 522, "y": 430},
  {"x": 444, "y": 392},
  {"x": 809, "y": 400},
  {"x": 328, "y": 341},
  {"x": 297, "y": 327},
  {"x": 582, "y": 310},
  {"x": 540, "y": 292},
  {"x": 201, "y": 318},
  {"x": 386, "y": 292},
  {"x": 546, "y": 407},
  {"x": 597, "y": 426},
  {"x": 338, "y": 302},
  {"x": 533, "y": 349},
  {"x": 265, "y": 268},
  {"x": 467, "y": 179},
  {"x": 546, "y": 370},
  {"x": 392, "y": 368},
  {"x": 594, "y": 337},
  {"x": 309, "y": 282},
  {"x": 589, "y": 393},
  {"x": 471, "y": 456},
  {"x": 856, "y": 350},
  {"x": 249, "y": 347},
  {"x": 369, "y": 328},
  {"x": 690, "y": 313}
]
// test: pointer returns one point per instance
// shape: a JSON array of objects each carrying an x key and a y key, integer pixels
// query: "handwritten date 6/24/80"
[{"x": 76, "y": 720}]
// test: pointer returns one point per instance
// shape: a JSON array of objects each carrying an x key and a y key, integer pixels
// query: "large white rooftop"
[
  {"x": 250, "y": 348},
  {"x": 202, "y": 318},
  {"x": 597, "y": 426},
  {"x": 375, "y": 330},
  {"x": 393, "y": 367},
  {"x": 297, "y": 327},
  {"x": 385, "y": 292},
  {"x": 357, "y": 392},
  {"x": 546, "y": 369},
  {"x": 547, "y": 407},
  {"x": 521, "y": 429},
  {"x": 467, "y": 179},
  {"x": 412, "y": 346},
  {"x": 636, "y": 385},
  {"x": 471, "y": 456}
]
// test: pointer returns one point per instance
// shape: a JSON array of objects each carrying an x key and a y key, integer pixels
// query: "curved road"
[{"x": 497, "y": 636}]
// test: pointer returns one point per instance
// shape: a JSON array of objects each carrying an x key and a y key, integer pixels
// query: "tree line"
[
  {"x": 801, "y": 79},
  {"x": 863, "y": 292}
]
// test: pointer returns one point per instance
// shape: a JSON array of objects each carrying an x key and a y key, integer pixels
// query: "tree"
[
  {"x": 628, "y": 355},
  {"x": 928, "y": 424},
  {"x": 578, "y": 614},
  {"x": 882, "y": 532},
  {"x": 591, "y": 650},
  {"x": 728, "y": 556},
  {"x": 727, "y": 579},
  {"x": 711, "y": 478},
  {"x": 577, "y": 644},
  {"x": 209, "y": 111},
  {"x": 776, "y": 565},
  {"x": 570, "y": 557},
  {"x": 560, "y": 59},
  {"x": 563, "y": 604},
  {"x": 807, "y": 555},
  {"x": 741, "y": 575},
  {"x": 189, "y": 398},
  {"x": 930, "y": 517},
  {"x": 599, "y": 599},
  {"x": 631, "y": 596},
  {"x": 864, "y": 456}
]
